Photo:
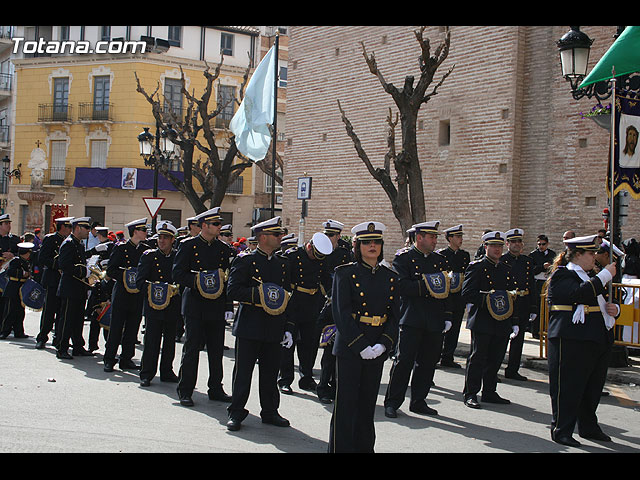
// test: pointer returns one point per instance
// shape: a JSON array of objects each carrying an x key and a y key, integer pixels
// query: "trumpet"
[{"x": 96, "y": 275}]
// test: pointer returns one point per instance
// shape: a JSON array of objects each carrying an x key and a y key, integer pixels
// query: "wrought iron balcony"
[
  {"x": 95, "y": 112},
  {"x": 54, "y": 113}
]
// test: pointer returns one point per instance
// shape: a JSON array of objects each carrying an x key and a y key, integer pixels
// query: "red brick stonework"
[{"x": 519, "y": 154}]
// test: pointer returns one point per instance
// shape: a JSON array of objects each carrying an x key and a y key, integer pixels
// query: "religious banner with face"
[{"x": 626, "y": 149}]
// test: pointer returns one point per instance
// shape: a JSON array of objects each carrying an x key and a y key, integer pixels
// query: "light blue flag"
[{"x": 250, "y": 124}]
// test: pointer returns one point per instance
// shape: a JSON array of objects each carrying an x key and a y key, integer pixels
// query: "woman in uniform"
[
  {"x": 580, "y": 336},
  {"x": 366, "y": 311}
]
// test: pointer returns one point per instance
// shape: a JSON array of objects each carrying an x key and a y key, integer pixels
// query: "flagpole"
[
  {"x": 275, "y": 128},
  {"x": 611, "y": 167}
]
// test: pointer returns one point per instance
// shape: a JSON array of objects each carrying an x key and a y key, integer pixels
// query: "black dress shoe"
[
  {"x": 276, "y": 419},
  {"x": 108, "y": 366},
  {"x": 3, "y": 336},
  {"x": 145, "y": 382},
  {"x": 81, "y": 352},
  {"x": 308, "y": 384},
  {"x": 423, "y": 409},
  {"x": 450, "y": 363},
  {"x": 220, "y": 396},
  {"x": 515, "y": 376},
  {"x": 390, "y": 412},
  {"x": 567, "y": 440},
  {"x": 169, "y": 377},
  {"x": 286, "y": 389},
  {"x": 494, "y": 398},
  {"x": 233, "y": 425},
  {"x": 600, "y": 436},
  {"x": 472, "y": 402},
  {"x": 326, "y": 400},
  {"x": 40, "y": 345},
  {"x": 128, "y": 365},
  {"x": 20, "y": 335},
  {"x": 186, "y": 401},
  {"x": 63, "y": 355}
]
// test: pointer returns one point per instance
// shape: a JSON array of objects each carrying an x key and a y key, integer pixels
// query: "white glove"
[
  {"x": 88, "y": 272},
  {"x": 516, "y": 329},
  {"x": 101, "y": 247},
  {"x": 287, "y": 340},
  {"x": 228, "y": 315},
  {"x": 378, "y": 349},
  {"x": 368, "y": 353},
  {"x": 532, "y": 317},
  {"x": 447, "y": 326}
]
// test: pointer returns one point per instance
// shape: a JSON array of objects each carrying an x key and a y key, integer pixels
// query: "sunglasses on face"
[
  {"x": 330, "y": 234},
  {"x": 215, "y": 224},
  {"x": 140, "y": 229},
  {"x": 377, "y": 241},
  {"x": 542, "y": 244},
  {"x": 226, "y": 234},
  {"x": 275, "y": 234}
]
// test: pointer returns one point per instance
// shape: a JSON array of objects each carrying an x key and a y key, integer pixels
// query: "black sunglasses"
[
  {"x": 215, "y": 224},
  {"x": 377, "y": 241}
]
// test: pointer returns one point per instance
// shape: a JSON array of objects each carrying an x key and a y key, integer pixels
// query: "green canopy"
[{"x": 623, "y": 56}]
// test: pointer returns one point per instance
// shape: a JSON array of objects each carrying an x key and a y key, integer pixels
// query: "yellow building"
[{"x": 82, "y": 113}]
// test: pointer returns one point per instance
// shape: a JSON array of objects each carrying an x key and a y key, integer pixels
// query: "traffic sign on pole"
[{"x": 153, "y": 204}]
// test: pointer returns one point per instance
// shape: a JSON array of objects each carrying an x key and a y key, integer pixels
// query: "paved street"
[{"x": 51, "y": 405}]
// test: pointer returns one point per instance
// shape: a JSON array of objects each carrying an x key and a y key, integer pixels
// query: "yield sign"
[{"x": 153, "y": 205}]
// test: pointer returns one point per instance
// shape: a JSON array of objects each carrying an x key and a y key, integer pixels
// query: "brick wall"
[{"x": 519, "y": 155}]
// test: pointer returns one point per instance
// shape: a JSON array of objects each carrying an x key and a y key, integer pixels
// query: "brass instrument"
[{"x": 97, "y": 275}]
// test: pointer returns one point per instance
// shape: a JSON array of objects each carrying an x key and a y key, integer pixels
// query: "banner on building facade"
[
  {"x": 113, "y": 177},
  {"x": 57, "y": 210},
  {"x": 626, "y": 162}
]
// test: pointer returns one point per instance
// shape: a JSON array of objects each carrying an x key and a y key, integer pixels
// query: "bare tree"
[
  {"x": 406, "y": 191},
  {"x": 196, "y": 134}
]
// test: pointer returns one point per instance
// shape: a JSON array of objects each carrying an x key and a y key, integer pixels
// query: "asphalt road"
[{"x": 73, "y": 406}]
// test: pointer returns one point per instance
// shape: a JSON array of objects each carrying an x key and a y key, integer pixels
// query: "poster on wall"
[
  {"x": 57, "y": 211},
  {"x": 129, "y": 178}
]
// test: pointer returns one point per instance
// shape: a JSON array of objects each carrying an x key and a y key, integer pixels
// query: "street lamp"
[{"x": 163, "y": 153}]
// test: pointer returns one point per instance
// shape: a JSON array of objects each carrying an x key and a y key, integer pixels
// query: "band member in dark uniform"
[
  {"x": 161, "y": 306},
  {"x": 102, "y": 288},
  {"x": 522, "y": 268},
  {"x": 341, "y": 254},
  {"x": 366, "y": 311},
  {"x": 425, "y": 314},
  {"x": 311, "y": 281},
  {"x": 491, "y": 320},
  {"x": 73, "y": 289},
  {"x": 18, "y": 271},
  {"x": 542, "y": 258},
  {"x": 200, "y": 265},
  {"x": 581, "y": 321},
  {"x": 458, "y": 260},
  {"x": 126, "y": 299},
  {"x": 8, "y": 248},
  {"x": 259, "y": 281},
  {"x": 48, "y": 259},
  {"x": 193, "y": 229}
]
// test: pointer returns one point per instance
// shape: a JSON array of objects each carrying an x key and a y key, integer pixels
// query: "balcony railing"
[
  {"x": 90, "y": 112},
  {"x": 54, "y": 113},
  {"x": 58, "y": 176},
  {"x": 5, "y": 82}
]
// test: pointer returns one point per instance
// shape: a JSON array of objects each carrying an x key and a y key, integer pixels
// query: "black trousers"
[
  {"x": 450, "y": 341},
  {"x": 248, "y": 353},
  {"x": 13, "y": 318},
  {"x": 327, "y": 381},
  {"x": 126, "y": 315},
  {"x": 71, "y": 324},
  {"x": 160, "y": 341},
  {"x": 206, "y": 328},
  {"x": 577, "y": 374},
  {"x": 306, "y": 343},
  {"x": 352, "y": 427},
  {"x": 487, "y": 353},
  {"x": 516, "y": 344},
  {"x": 50, "y": 315},
  {"x": 416, "y": 357}
]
